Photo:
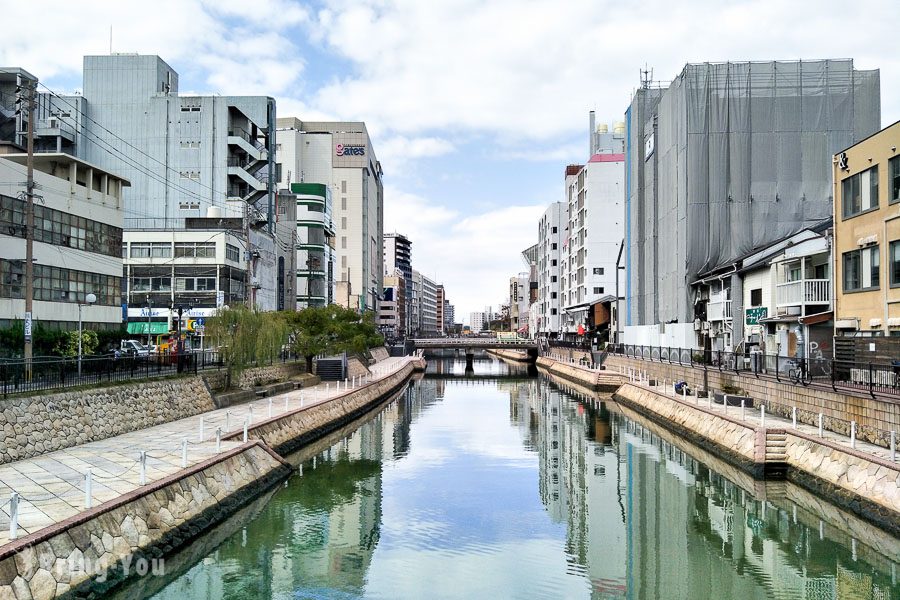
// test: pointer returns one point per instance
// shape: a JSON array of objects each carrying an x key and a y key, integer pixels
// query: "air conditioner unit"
[
  {"x": 705, "y": 326},
  {"x": 697, "y": 325}
]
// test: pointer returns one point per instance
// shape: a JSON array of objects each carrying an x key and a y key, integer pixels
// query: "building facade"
[
  {"x": 425, "y": 305},
  {"x": 729, "y": 158},
  {"x": 867, "y": 237},
  {"x": 398, "y": 255},
  {"x": 315, "y": 255},
  {"x": 440, "y": 303},
  {"x": 519, "y": 302},
  {"x": 77, "y": 249},
  {"x": 340, "y": 155},
  {"x": 392, "y": 312}
]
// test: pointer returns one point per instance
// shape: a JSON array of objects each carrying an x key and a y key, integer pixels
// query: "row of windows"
[
  {"x": 859, "y": 192},
  {"x": 862, "y": 268},
  {"x": 164, "y": 250},
  {"x": 60, "y": 228},
  {"x": 232, "y": 253},
  {"x": 182, "y": 284},
  {"x": 56, "y": 284}
]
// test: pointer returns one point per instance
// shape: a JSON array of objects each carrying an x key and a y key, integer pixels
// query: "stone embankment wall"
[
  {"x": 605, "y": 381},
  {"x": 35, "y": 425},
  {"x": 864, "y": 484},
  {"x": 287, "y": 432},
  {"x": 75, "y": 555},
  {"x": 355, "y": 368},
  {"x": 875, "y": 418},
  {"x": 516, "y": 355},
  {"x": 380, "y": 353},
  {"x": 256, "y": 376}
]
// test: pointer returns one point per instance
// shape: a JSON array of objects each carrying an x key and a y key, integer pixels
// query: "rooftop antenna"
[
  {"x": 110, "y": 40},
  {"x": 646, "y": 77}
]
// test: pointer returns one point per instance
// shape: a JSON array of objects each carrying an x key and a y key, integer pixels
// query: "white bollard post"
[
  {"x": 709, "y": 400},
  {"x": 725, "y": 403},
  {"x": 743, "y": 408},
  {"x": 893, "y": 446},
  {"x": 853, "y": 434},
  {"x": 218, "y": 439},
  {"x": 794, "y": 417},
  {"x": 143, "y": 460},
  {"x": 250, "y": 412},
  {"x": 270, "y": 408},
  {"x": 88, "y": 493},
  {"x": 14, "y": 516},
  {"x": 326, "y": 387},
  {"x": 286, "y": 399},
  {"x": 821, "y": 425},
  {"x": 201, "y": 428},
  {"x": 246, "y": 424},
  {"x": 183, "y": 453},
  {"x": 227, "y": 420},
  {"x": 762, "y": 415}
]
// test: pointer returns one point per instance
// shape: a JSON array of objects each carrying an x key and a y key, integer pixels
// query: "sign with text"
[
  {"x": 755, "y": 314},
  {"x": 348, "y": 150},
  {"x": 28, "y": 327}
]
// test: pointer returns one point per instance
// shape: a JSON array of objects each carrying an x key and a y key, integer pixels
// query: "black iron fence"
[
  {"x": 568, "y": 344},
  {"x": 840, "y": 375},
  {"x": 49, "y": 373}
]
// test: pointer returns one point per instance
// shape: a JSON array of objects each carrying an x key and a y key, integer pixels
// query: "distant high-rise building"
[
  {"x": 392, "y": 312},
  {"x": 398, "y": 256},
  {"x": 551, "y": 232}
]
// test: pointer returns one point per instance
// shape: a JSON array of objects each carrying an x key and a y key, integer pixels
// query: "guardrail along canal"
[{"x": 497, "y": 484}]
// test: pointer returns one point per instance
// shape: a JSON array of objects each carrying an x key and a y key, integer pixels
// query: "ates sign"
[{"x": 348, "y": 150}]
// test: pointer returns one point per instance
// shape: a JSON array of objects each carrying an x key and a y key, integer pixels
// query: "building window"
[
  {"x": 140, "y": 250},
  {"x": 895, "y": 263},
  {"x": 124, "y": 250},
  {"x": 195, "y": 284},
  {"x": 161, "y": 250},
  {"x": 232, "y": 253},
  {"x": 598, "y": 290},
  {"x": 859, "y": 192},
  {"x": 756, "y": 297},
  {"x": 553, "y": 263},
  {"x": 195, "y": 249},
  {"x": 552, "y": 311},
  {"x": 553, "y": 246},
  {"x": 553, "y": 295},
  {"x": 894, "y": 177},
  {"x": 598, "y": 270},
  {"x": 553, "y": 230},
  {"x": 861, "y": 269},
  {"x": 553, "y": 279},
  {"x": 343, "y": 242},
  {"x": 343, "y": 222},
  {"x": 344, "y": 186},
  {"x": 343, "y": 204}
]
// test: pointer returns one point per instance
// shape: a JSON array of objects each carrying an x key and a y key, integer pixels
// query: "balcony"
[
  {"x": 718, "y": 311},
  {"x": 802, "y": 292}
]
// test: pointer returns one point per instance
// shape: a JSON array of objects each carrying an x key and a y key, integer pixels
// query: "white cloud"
[{"x": 399, "y": 150}]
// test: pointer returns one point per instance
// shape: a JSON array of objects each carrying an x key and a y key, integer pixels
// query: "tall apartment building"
[
  {"x": 340, "y": 155},
  {"x": 728, "y": 158},
  {"x": 551, "y": 232},
  {"x": 77, "y": 242},
  {"x": 398, "y": 255},
  {"x": 449, "y": 317},
  {"x": 425, "y": 304},
  {"x": 440, "y": 301},
  {"x": 477, "y": 321},
  {"x": 315, "y": 255}
]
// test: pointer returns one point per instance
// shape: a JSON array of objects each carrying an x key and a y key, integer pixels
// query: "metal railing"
[
  {"x": 49, "y": 373},
  {"x": 872, "y": 378},
  {"x": 803, "y": 291}
]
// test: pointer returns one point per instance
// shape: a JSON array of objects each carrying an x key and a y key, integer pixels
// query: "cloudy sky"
[{"x": 475, "y": 107}]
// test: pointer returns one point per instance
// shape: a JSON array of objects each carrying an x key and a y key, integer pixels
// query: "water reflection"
[{"x": 468, "y": 486}]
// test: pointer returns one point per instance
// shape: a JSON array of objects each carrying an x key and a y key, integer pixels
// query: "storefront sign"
[
  {"x": 755, "y": 314},
  {"x": 348, "y": 150},
  {"x": 28, "y": 327}
]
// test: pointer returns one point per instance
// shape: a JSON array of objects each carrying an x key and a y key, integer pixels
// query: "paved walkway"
[
  {"x": 751, "y": 416},
  {"x": 52, "y": 486}
]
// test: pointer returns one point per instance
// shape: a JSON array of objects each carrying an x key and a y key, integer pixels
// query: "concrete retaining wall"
[
  {"x": 35, "y": 425},
  {"x": 256, "y": 376},
  {"x": 515, "y": 355},
  {"x": 604, "y": 381},
  {"x": 875, "y": 417},
  {"x": 286, "y": 433},
  {"x": 863, "y": 484},
  {"x": 92, "y": 551}
]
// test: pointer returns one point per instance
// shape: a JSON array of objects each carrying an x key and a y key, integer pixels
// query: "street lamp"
[{"x": 89, "y": 299}]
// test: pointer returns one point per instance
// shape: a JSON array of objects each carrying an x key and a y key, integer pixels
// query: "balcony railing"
[
  {"x": 719, "y": 311},
  {"x": 804, "y": 291}
]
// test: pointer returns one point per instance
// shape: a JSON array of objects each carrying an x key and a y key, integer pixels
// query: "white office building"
[
  {"x": 340, "y": 155},
  {"x": 551, "y": 231}
]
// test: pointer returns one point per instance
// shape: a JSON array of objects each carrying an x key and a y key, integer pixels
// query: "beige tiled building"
[{"x": 867, "y": 236}]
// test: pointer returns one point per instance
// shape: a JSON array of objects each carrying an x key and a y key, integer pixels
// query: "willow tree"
[{"x": 245, "y": 337}]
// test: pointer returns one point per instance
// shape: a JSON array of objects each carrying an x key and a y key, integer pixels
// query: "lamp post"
[
  {"x": 149, "y": 315},
  {"x": 89, "y": 299}
]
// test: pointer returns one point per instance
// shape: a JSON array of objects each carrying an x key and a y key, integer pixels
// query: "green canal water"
[{"x": 503, "y": 485}]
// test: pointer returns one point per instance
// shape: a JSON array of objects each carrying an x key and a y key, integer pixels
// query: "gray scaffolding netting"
[{"x": 743, "y": 157}]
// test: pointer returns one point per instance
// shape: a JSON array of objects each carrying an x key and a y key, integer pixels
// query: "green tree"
[
  {"x": 331, "y": 329},
  {"x": 246, "y": 337},
  {"x": 68, "y": 343}
]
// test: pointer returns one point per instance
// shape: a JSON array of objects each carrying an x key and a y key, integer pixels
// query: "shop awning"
[{"x": 140, "y": 327}]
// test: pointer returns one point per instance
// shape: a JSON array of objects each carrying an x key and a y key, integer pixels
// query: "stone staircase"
[{"x": 776, "y": 452}]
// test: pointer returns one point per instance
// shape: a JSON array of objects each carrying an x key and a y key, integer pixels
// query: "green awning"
[{"x": 140, "y": 327}]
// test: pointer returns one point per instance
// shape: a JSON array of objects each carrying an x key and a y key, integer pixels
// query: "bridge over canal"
[{"x": 470, "y": 344}]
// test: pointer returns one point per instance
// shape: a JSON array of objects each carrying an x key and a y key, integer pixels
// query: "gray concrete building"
[{"x": 728, "y": 158}]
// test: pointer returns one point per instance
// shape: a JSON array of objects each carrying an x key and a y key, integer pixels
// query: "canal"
[{"x": 498, "y": 484}]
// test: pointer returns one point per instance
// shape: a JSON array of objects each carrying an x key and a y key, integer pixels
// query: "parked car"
[{"x": 134, "y": 348}]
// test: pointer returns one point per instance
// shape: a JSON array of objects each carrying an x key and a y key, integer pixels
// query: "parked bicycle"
[{"x": 797, "y": 372}]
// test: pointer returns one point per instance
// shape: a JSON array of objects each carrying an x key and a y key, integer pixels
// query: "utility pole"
[
  {"x": 248, "y": 288},
  {"x": 30, "y": 87}
]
